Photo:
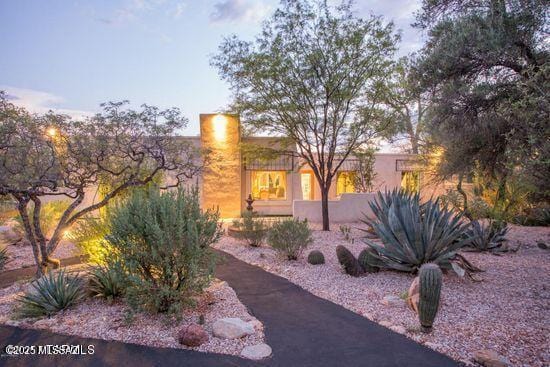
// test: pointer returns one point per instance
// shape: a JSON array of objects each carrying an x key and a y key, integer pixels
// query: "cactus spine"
[{"x": 430, "y": 279}]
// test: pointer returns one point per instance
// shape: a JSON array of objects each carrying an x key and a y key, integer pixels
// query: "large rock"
[
  {"x": 232, "y": 328},
  {"x": 489, "y": 358},
  {"x": 192, "y": 335},
  {"x": 258, "y": 351},
  {"x": 392, "y": 300},
  {"x": 414, "y": 295}
]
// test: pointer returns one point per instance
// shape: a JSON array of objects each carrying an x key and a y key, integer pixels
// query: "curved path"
[{"x": 302, "y": 329}]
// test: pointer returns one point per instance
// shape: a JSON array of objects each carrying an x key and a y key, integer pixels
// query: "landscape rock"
[
  {"x": 256, "y": 352},
  {"x": 256, "y": 324},
  {"x": 489, "y": 358},
  {"x": 192, "y": 335},
  {"x": 413, "y": 295},
  {"x": 398, "y": 329},
  {"x": 232, "y": 328},
  {"x": 392, "y": 300}
]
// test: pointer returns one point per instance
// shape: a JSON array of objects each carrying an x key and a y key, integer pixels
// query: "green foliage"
[
  {"x": 89, "y": 234},
  {"x": 290, "y": 237},
  {"x": 414, "y": 234},
  {"x": 369, "y": 263},
  {"x": 252, "y": 229},
  {"x": 105, "y": 283},
  {"x": 430, "y": 281},
  {"x": 348, "y": 261},
  {"x": 345, "y": 230},
  {"x": 363, "y": 180},
  {"x": 316, "y": 257},
  {"x": 488, "y": 237},
  {"x": 160, "y": 247},
  {"x": 537, "y": 216},
  {"x": 4, "y": 257},
  {"x": 50, "y": 294}
]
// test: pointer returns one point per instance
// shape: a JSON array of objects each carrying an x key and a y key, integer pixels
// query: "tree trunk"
[
  {"x": 324, "y": 208},
  {"x": 464, "y": 197}
]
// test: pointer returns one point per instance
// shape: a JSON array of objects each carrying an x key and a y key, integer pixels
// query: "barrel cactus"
[
  {"x": 316, "y": 257},
  {"x": 430, "y": 279},
  {"x": 368, "y": 261},
  {"x": 348, "y": 261}
]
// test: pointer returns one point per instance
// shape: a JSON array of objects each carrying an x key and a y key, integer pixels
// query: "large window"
[
  {"x": 410, "y": 181},
  {"x": 345, "y": 182},
  {"x": 268, "y": 185}
]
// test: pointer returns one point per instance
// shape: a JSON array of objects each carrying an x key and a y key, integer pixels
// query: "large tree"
[
  {"x": 487, "y": 62},
  {"x": 306, "y": 78},
  {"x": 52, "y": 155}
]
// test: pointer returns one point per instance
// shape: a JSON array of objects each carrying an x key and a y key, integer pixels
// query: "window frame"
[{"x": 285, "y": 179}]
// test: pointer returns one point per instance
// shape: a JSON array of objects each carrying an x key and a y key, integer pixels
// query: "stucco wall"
[{"x": 350, "y": 208}]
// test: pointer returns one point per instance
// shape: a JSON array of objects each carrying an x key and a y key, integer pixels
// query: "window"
[
  {"x": 268, "y": 185},
  {"x": 410, "y": 181},
  {"x": 345, "y": 182},
  {"x": 306, "y": 179}
]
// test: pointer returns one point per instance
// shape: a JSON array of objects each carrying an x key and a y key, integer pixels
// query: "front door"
[{"x": 307, "y": 185}]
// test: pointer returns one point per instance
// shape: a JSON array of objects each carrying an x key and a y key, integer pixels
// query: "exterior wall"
[
  {"x": 350, "y": 208},
  {"x": 221, "y": 179}
]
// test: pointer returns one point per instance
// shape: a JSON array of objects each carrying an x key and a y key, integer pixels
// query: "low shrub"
[
  {"x": 368, "y": 262},
  {"x": 4, "y": 258},
  {"x": 345, "y": 230},
  {"x": 252, "y": 229},
  {"x": 316, "y": 257},
  {"x": 487, "y": 237},
  {"x": 348, "y": 261},
  {"x": 537, "y": 216},
  {"x": 290, "y": 237},
  {"x": 160, "y": 248},
  {"x": 55, "y": 291},
  {"x": 105, "y": 283}
]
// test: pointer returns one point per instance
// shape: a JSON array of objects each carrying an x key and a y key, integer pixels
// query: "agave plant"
[
  {"x": 488, "y": 237},
  {"x": 414, "y": 234},
  {"x": 104, "y": 282},
  {"x": 50, "y": 294}
]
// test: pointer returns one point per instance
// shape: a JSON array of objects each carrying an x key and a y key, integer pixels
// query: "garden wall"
[{"x": 350, "y": 208}]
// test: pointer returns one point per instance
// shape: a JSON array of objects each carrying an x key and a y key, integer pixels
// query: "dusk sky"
[{"x": 72, "y": 55}]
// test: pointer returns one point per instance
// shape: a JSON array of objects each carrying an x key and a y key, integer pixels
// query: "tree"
[
  {"x": 306, "y": 77},
  {"x": 487, "y": 62},
  {"x": 363, "y": 180},
  {"x": 51, "y": 155}
]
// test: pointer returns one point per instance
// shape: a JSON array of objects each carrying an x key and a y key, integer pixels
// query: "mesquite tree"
[
  {"x": 306, "y": 78},
  {"x": 51, "y": 155}
]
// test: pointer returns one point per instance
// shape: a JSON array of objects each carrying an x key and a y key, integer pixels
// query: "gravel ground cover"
[
  {"x": 507, "y": 312},
  {"x": 21, "y": 255},
  {"x": 96, "y": 318}
]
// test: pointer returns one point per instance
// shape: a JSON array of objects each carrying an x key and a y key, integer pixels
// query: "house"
[{"x": 285, "y": 185}]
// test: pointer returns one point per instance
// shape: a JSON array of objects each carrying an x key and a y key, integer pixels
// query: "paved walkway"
[{"x": 302, "y": 329}]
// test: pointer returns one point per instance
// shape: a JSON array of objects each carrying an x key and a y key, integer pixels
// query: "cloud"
[
  {"x": 239, "y": 10},
  {"x": 180, "y": 8},
  {"x": 40, "y": 102}
]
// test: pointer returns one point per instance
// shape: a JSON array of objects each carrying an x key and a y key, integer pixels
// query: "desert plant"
[
  {"x": 160, "y": 247},
  {"x": 104, "y": 282},
  {"x": 89, "y": 236},
  {"x": 414, "y": 234},
  {"x": 488, "y": 237},
  {"x": 345, "y": 230},
  {"x": 252, "y": 229},
  {"x": 290, "y": 237},
  {"x": 369, "y": 263},
  {"x": 50, "y": 294},
  {"x": 4, "y": 257},
  {"x": 348, "y": 261},
  {"x": 316, "y": 257},
  {"x": 537, "y": 216},
  {"x": 430, "y": 280}
]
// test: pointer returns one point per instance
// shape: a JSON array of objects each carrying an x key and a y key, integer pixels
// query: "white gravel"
[
  {"x": 96, "y": 318},
  {"x": 507, "y": 312},
  {"x": 21, "y": 256}
]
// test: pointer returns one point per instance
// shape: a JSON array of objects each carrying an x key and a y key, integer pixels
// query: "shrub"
[
  {"x": 368, "y": 262},
  {"x": 160, "y": 248},
  {"x": 252, "y": 229},
  {"x": 430, "y": 280},
  {"x": 50, "y": 294},
  {"x": 316, "y": 257},
  {"x": 89, "y": 235},
  {"x": 348, "y": 261},
  {"x": 4, "y": 258},
  {"x": 290, "y": 237},
  {"x": 104, "y": 282},
  {"x": 537, "y": 216},
  {"x": 414, "y": 234},
  {"x": 345, "y": 230},
  {"x": 488, "y": 237}
]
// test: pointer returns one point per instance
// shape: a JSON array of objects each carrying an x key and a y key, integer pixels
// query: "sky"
[{"x": 72, "y": 55}]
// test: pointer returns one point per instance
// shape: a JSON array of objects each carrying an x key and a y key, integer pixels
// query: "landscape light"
[{"x": 220, "y": 127}]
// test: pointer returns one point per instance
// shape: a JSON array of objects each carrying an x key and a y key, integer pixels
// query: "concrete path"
[{"x": 303, "y": 330}]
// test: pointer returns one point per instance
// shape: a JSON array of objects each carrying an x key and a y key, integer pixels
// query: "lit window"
[
  {"x": 410, "y": 181},
  {"x": 345, "y": 182},
  {"x": 268, "y": 185}
]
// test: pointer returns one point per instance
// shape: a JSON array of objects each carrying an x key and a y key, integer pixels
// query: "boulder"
[
  {"x": 256, "y": 352},
  {"x": 413, "y": 295},
  {"x": 489, "y": 358},
  {"x": 391, "y": 300},
  {"x": 232, "y": 328},
  {"x": 192, "y": 335}
]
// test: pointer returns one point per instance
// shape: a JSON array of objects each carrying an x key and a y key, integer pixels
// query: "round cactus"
[
  {"x": 367, "y": 261},
  {"x": 316, "y": 257},
  {"x": 348, "y": 261},
  {"x": 430, "y": 280}
]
